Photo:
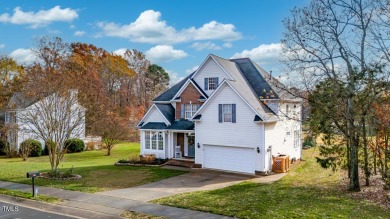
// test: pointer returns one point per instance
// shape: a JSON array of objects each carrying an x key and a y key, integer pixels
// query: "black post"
[{"x": 33, "y": 186}]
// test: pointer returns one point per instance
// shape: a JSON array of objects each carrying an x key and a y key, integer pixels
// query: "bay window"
[{"x": 154, "y": 141}]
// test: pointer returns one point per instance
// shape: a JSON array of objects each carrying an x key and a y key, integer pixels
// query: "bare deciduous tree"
[
  {"x": 332, "y": 40},
  {"x": 56, "y": 117}
]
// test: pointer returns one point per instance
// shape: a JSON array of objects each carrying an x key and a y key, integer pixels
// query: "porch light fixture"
[
  {"x": 198, "y": 145},
  {"x": 258, "y": 150}
]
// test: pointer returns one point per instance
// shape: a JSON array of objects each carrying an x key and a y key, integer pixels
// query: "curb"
[{"x": 56, "y": 209}]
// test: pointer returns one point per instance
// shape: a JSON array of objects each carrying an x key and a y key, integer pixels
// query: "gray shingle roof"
[
  {"x": 279, "y": 88},
  {"x": 20, "y": 101},
  {"x": 260, "y": 86},
  {"x": 167, "y": 110},
  {"x": 181, "y": 125},
  {"x": 154, "y": 125},
  {"x": 171, "y": 92},
  {"x": 242, "y": 86}
]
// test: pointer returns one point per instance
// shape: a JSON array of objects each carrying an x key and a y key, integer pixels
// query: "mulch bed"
[
  {"x": 374, "y": 193},
  {"x": 139, "y": 165},
  {"x": 48, "y": 176}
]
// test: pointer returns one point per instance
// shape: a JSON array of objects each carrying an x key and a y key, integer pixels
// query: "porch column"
[{"x": 142, "y": 141}]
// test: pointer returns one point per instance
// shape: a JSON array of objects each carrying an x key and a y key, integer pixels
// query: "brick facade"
[{"x": 190, "y": 94}]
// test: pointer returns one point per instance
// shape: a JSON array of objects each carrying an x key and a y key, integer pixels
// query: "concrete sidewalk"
[{"x": 110, "y": 206}]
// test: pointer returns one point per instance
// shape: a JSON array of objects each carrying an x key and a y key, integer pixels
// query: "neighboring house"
[
  {"x": 22, "y": 110},
  {"x": 228, "y": 115}
]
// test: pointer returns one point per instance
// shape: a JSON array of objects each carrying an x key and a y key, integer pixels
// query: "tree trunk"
[
  {"x": 365, "y": 152},
  {"x": 349, "y": 157},
  {"x": 354, "y": 184},
  {"x": 108, "y": 150},
  {"x": 386, "y": 168}
]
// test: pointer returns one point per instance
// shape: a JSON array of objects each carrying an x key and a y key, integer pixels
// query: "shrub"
[
  {"x": 31, "y": 148},
  {"x": 123, "y": 161},
  {"x": 147, "y": 158},
  {"x": 309, "y": 141},
  {"x": 36, "y": 149},
  {"x": 3, "y": 145},
  {"x": 134, "y": 158},
  {"x": 74, "y": 145}
]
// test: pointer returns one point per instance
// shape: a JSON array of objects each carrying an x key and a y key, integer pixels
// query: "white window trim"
[
  {"x": 192, "y": 110},
  {"x": 157, "y": 140},
  {"x": 231, "y": 113},
  {"x": 214, "y": 83}
]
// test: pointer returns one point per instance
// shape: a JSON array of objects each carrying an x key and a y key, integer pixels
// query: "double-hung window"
[
  {"x": 147, "y": 140},
  {"x": 154, "y": 141},
  {"x": 188, "y": 110},
  {"x": 211, "y": 83},
  {"x": 227, "y": 113}
]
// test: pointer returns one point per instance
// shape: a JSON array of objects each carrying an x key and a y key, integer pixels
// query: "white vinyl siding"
[
  {"x": 210, "y": 69},
  {"x": 154, "y": 115},
  {"x": 244, "y": 133},
  {"x": 284, "y": 136}
]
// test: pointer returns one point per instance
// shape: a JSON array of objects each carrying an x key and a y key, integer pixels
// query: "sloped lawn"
[
  {"x": 306, "y": 192},
  {"x": 97, "y": 169}
]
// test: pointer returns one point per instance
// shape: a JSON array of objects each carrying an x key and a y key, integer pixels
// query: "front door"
[{"x": 191, "y": 146}]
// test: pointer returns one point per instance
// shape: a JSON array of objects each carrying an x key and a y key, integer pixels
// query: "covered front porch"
[
  {"x": 181, "y": 144},
  {"x": 176, "y": 141}
]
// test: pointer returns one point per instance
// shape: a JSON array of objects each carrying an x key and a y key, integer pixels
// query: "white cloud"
[
  {"x": 263, "y": 54},
  {"x": 150, "y": 28},
  {"x": 79, "y": 33},
  {"x": 2, "y": 46},
  {"x": 23, "y": 56},
  {"x": 120, "y": 51},
  {"x": 174, "y": 77},
  {"x": 40, "y": 18},
  {"x": 189, "y": 71},
  {"x": 164, "y": 53},
  {"x": 72, "y": 26},
  {"x": 227, "y": 45},
  {"x": 206, "y": 45}
]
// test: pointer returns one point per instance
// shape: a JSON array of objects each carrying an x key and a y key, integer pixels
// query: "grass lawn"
[
  {"x": 28, "y": 195},
  {"x": 306, "y": 192},
  {"x": 97, "y": 169}
]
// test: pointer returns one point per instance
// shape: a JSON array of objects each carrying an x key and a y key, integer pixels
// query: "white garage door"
[{"x": 229, "y": 158}]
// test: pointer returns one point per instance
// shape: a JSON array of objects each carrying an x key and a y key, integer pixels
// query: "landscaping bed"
[
  {"x": 147, "y": 160},
  {"x": 60, "y": 176}
]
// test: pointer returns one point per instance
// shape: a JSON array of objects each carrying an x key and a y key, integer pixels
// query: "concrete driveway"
[{"x": 196, "y": 180}]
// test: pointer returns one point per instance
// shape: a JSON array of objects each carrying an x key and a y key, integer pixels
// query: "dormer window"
[{"x": 211, "y": 83}]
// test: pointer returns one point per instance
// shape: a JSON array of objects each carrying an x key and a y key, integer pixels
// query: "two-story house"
[
  {"x": 53, "y": 115},
  {"x": 228, "y": 115}
]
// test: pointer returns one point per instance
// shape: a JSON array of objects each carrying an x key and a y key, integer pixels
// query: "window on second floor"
[
  {"x": 188, "y": 110},
  {"x": 211, "y": 83},
  {"x": 227, "y": 113}
]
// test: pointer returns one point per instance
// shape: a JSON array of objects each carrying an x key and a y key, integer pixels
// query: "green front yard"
[
  {"x": 306, "y": 192},
  {"x": 97, "y": 169}
]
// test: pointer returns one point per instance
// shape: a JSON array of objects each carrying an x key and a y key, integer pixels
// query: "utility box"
[{"x": 281, "y": 163}]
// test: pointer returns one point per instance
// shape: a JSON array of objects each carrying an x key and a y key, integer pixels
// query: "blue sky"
[{"x": 177, "y": 35}]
